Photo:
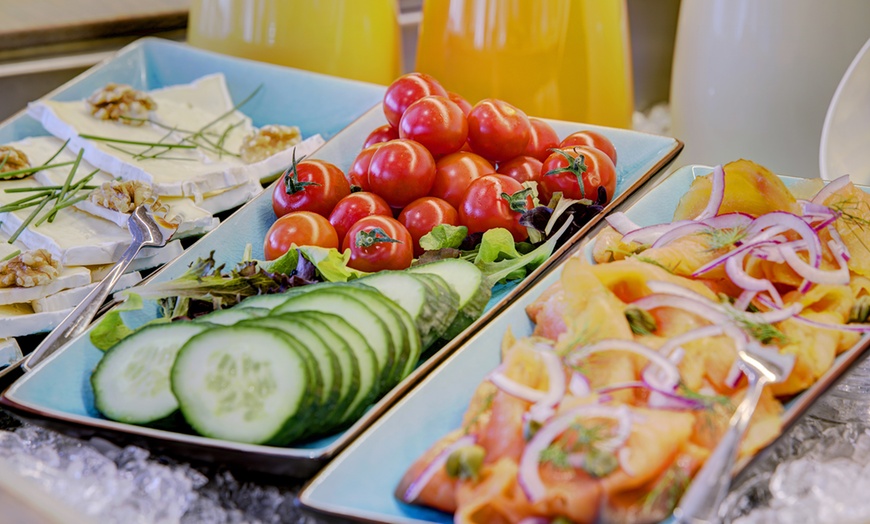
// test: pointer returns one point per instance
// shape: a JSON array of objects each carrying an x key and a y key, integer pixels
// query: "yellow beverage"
[
  {"x": 357, "y": 39},
  {"x": 564, "y": 59}
]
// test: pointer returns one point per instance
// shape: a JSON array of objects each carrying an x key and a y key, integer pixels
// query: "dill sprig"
[
  {"x": 725, "y": 237},
  {"x": 848, "y": 209},
  {"x": 764, "y": 332}
]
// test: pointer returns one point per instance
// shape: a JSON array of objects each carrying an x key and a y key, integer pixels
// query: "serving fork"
[
  {"x": 702, "y": 501},
  {"x": 147, "y": 230}
]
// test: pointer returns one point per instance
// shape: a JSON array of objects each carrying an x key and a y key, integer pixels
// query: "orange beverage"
[
  {"x": 357, "y": 39},
  {"x": 564, "y": 59}
]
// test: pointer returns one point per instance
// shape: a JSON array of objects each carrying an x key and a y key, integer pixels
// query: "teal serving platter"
[
  {"x": 359, "y": 483},
  {"x": 57, "y": 392}
]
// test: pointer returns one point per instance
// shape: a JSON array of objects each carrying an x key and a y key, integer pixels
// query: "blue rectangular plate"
[
  {"x": 316, "y": 103},
  {"x": 58, "y": 391},
  {"x": 359, "y": 483}
]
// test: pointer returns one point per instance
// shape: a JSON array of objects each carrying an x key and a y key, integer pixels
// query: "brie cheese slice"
[
  {"x": 69, "y": 277},
  {"x": 17, "y": 320},
  {"x": 202, "y": 111},
  {"x": 70, "y": 298}
]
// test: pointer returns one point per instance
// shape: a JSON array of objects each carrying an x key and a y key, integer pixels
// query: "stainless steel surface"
[{"x": 146, "y": 232}]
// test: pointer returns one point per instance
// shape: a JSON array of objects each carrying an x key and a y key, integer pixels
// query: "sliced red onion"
[
  {"x": 776, "y": 315},
  {"x": 529, "y": 476},
  {"x": 834, "y": 186},
  {"x": 669, "y": 288},
  {"x": 664, "y": 399},
  {"x": 624, "y": 456},
  {"x": 838, "y": 242},
  {"x": 579, "y": 385},
  {"x": 733, "y": 376},
  {"x": 417, "y": 485},
  {"x": 673, "y": 344},
  {"x": 703, "y": 309},
  {"x": 779, "y": 219},
  {"x": 670, "y": 370},
  {"x": 854, "y": 328},
  {"x": 729, "y": 220},
  {"x": 555, "y": 378},
  {"x": 649, "y": 234},
  {"x": 621, "y": 223},
  {"x": 814, "y": 209},
  {"x": 535, "y": 520},
  {"x": 577, "y": 459},
  {"x": 679, "y": 232},
  {"x": 717, "y": 194},
  {"x": 813, "y": 274},
  {"x": 744, "y": 300},
  {"x": 748, "y": 245},
  {"x": 514, "y": 388},
  {"x": 621, "y": 386}
]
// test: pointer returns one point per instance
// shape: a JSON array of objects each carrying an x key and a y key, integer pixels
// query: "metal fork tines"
[
  {"x": 702, "y": 500},
  {"x": 147, "y": 231}
]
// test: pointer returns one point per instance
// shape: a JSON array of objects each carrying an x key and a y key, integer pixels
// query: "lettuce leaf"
[{"x": 443, "y": 236}]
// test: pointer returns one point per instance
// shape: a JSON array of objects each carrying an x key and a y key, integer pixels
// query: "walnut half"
[
  {"x": 29, "y": 269},
  {"x": 267, "y": 141},
  {"x": 122, "y": 196},
  {"x": 15, "y": 159},
  {"x": 114, "y": 101}
]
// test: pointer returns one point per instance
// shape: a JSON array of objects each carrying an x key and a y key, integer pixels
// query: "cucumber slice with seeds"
[
  {"x": 364, "y": 363},
  {"x": 244, "y": 384},
  {"x": 327, "y": 362},
  {"x": 131, "y": 382},
  {"x": 467, "y": 280},
  {"x": 358, "y": 314}
]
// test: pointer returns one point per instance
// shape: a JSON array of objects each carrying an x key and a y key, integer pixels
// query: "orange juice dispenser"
[
  {"x": 563, "y": 59},
  {"x": 358, "y": 39}
]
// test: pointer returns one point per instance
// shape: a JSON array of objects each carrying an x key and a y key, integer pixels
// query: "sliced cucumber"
[
  {"x": 244, "y": 384},
  {"x": 340, "y": 335},
  {"x": 131, "y": 382},
  {"x": 358, "y": 314},
  {"x": 230, "y": 316},
  {"x": 327, "y": 361},
  {"x": 445, "y": 297},
  {"x": 419, "y": 298},
  {"x": 467, "y": 280}
]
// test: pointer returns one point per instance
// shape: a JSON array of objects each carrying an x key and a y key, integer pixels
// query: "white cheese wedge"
[
  {"x": 176, "y": 172},
  {"x": 10, "y": 352},
  {"x": 70, "y": 298},
  {"x": 17, "y": 320},
  {"x": 69, "y": 277},
  {"x": 192, "y": 220},
  {"x": 151, "y": 257}
]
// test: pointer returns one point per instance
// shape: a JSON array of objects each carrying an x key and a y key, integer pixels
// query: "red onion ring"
[
  {"x": 717, "y": 194},
  {"x": 832, "y": 187},
  {"x": 813, "y": 274},
  {"x": 529, "y": 476},
  {"x": 514, "y": 388},
  {"x": 555, "y": 378},
  {"x": 613, "y": 344},
  {"x": 621, "y": 223},
  {"x": 624, "y": 456},
  {"x": 416, "y": 487},
  {"x": 579, "y": 385},
  {"x": 702, "y": 309},
  {"x": 649, "y": 234}
]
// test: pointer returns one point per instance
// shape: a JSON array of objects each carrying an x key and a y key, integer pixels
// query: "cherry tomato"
[
  {"x": 309, "y": 185},
  {"x": 483, "y": 206},
  {"x": 463, "y": 104},
  {"x": 384, "y": 133},
  {"x": 302, "y": 228},
  {"x": 423, "y": 214},
  {"x": 591, "y": 139},
  {"x": 565, "y": 167},
  {"x": 401, "y": 171},
  {"x": 543, "y": 139},
  {"x": 522, "y": 168},
  {"x": 497, "y": 130},
  {"x": 359, "y": 170},
  {"x": 435, "y": 122},
  {"x": 377, "y": 243},
  {"x": 454, "y": 172},
  {"x": 406, "y": 90},
  {"x": 354, "y": 207}
]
